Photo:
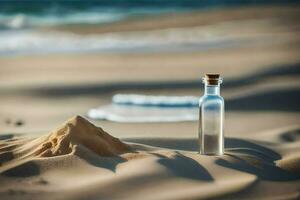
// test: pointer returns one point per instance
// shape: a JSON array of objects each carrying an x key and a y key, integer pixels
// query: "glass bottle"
[{"x": 211, "y": 117}]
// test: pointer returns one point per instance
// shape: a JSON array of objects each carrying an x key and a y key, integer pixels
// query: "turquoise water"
[
  {"x": 25, "y": 14},
  {"x": 21, "y": 21}
]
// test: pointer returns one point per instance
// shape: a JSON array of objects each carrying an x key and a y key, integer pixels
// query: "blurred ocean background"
[{"x": 34, "y": 27}]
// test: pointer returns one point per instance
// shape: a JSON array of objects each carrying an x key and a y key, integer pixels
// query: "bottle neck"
[{"x": 212, "y": 89}]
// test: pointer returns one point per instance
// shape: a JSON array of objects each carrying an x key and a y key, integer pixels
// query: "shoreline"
[
  {"x": 184, "y": 20},
  {"x": 186, "y": 33}
]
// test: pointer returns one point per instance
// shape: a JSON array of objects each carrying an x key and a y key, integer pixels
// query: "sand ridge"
[
  {"x": 79, "y": 131},
  {"x": 74, "y": 135}
]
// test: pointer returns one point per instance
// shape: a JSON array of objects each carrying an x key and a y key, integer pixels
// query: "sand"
[
  {"x": 76, "y": 133},
  {"x": 81, "y": 161},
  {"x": 156, "y": 160}
]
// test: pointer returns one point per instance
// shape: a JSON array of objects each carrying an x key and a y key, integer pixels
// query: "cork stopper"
[{"x": 213, "y": 79}]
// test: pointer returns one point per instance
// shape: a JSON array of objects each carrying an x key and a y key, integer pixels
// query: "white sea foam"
[
  {"x": 155, "y": 101},
  {"x": 34, "y": 42},
  {"x": 130, "y": 108},
  {"x": 90, "y": 16},
  {"x": 20, "y": 21},
  {"x": 137, "y": 114},
  {"x": 28, "y": 41}
]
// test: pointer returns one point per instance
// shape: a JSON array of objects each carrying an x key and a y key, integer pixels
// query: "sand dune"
[
  {"x": 79, "y": 160},
  {"x": 76, "y": 133}
]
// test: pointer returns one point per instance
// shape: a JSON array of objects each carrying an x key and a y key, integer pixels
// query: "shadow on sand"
[
  {"x": 26, "y": 169},
  {"x": 98, "y": 89},
  {"x": 246, "y": 156},
  {"x": 178, "y": 165},
  {"x": 287, "y": 99},
  {"x": 278, "y": 99},
  {"x": 185, "y": 167}
]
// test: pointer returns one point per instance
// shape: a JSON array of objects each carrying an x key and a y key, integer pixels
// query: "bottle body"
[{"x": 211, "y": 121}]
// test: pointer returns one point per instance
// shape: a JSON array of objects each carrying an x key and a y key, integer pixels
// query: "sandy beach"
[{"x": 50, "y": 150}]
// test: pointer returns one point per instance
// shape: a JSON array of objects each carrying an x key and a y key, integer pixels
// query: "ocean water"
[{"x": 21, "y": 23}]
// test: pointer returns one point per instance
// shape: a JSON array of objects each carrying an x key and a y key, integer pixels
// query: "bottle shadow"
[
  {"x": 265, "y": 169},
  {"x": 252, "y": 157},
  {"x": 290, "y": 136},
  {"x": 184, "y": 167}
]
